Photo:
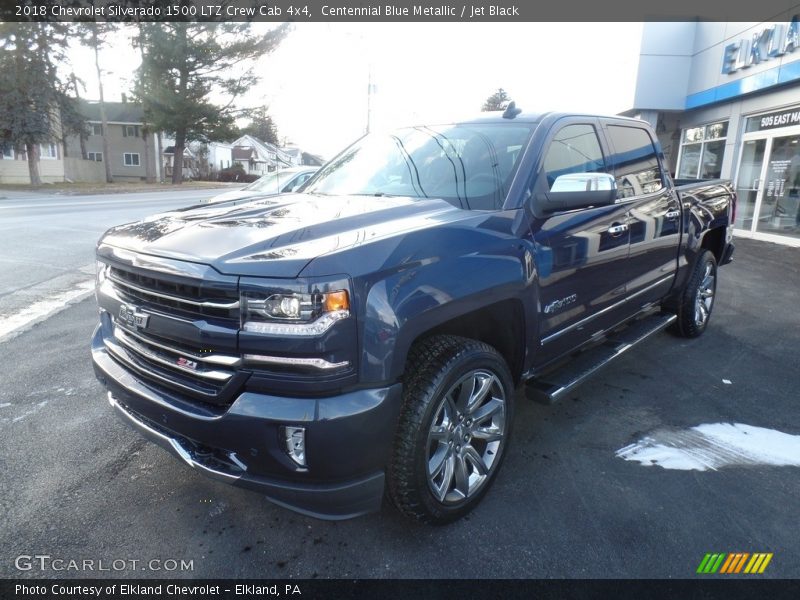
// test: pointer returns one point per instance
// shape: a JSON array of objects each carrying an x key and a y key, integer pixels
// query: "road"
[
  {"x": 47, "y": 241},
  {"x": 79, "y": 484}
]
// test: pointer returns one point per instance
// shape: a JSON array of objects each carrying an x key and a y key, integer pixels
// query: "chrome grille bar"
[
  {"x": 224, "y": 360},
  {"x": 134, "y": 346},
  {"x": 120, "y": 354},
  {"x": 204, "y": 304}
]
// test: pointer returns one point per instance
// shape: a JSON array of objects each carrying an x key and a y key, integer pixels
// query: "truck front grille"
[
  {"x": 165, "y": 358},
  {"x": 187, "y": 298}
]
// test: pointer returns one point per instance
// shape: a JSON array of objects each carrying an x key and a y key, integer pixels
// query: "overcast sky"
[{"x": 316, "y": 82}]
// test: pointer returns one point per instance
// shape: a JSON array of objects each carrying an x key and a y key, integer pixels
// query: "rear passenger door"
[
  {"x": 581, "y": 255},
  {"x": 653, "y": 211}
]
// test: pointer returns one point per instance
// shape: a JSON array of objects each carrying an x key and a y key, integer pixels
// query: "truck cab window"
[
  {"x": 574, "y": 149},
  {"x": 635, "y": 162}
]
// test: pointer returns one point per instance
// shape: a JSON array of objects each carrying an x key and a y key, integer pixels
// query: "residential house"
[
  {"x": 14, "y": 164},
  {"x": 126, "y": 140},
  {"x": 311, "y": 159},
  {"x": 191, "y": 163},
  {"x": 219, "y": 156},
  {"x": 257, "y": 157}
]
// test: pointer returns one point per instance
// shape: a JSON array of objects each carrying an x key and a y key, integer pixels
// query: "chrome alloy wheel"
[
  {"x": 465, "y": 436},
  {"x": 705, "y": 296}
]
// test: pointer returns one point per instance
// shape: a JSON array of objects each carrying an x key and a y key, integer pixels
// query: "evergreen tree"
[
  {"x": 32, "y": 93},
  {"x": 262, "y": 126},
  {"x": 185, "y": 66},
  {"x": 497, "y": 101}
]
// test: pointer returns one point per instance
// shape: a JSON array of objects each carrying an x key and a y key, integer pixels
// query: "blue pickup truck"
[{"x": 367, "y": 334}]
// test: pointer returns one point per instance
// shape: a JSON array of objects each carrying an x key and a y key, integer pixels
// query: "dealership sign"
[
  {"x": 784, "y": 118},
  {"x": 766, "y": 44}
]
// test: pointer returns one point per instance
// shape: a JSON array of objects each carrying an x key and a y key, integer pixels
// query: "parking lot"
[{"x": 79, "y": 484}]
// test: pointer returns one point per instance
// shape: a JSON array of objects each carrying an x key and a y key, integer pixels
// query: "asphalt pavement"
[
  {"x": 78, "y": 484},
  {"x": 47, "y": 241}
]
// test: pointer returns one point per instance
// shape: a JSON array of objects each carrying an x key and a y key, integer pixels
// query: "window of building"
[
  {"x": 130, "y": 159},
  {"x": 95, "y": 156},
  {"x": 635, "y": 161},
  {"x": 7, "y": 151},
  {"x": 574, "y": 149},
  {"x": 130, "y": 131},
  {"x": 97, "y": 129},
  {"x": 702, "y": 151},
  {"x": 48, "y": 151}
]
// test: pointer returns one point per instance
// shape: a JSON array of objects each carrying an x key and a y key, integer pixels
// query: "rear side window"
[
  {"x": 635, "y": 161},
  {"x": 574, "y": 149}
]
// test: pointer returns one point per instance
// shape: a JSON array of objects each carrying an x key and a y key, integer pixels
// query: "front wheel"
[
  {"x": 453, "y": 430},
  {"x": 697, "y": 298}
]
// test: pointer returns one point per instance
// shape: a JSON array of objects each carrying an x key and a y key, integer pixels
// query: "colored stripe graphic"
[
  {"x": 734, "y": 562},
  {"x": 727, "y": 564}
]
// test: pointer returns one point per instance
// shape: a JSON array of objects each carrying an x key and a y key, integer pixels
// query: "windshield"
[
  {"x": 469, "y": 165},
  {"x": 270, "y": 183}
]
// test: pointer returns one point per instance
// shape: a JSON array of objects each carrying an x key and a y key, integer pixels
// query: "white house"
[{"x": 257, "y": 157}]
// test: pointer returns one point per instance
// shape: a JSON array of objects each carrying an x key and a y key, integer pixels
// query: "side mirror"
[{"x": 580, "y": 190}]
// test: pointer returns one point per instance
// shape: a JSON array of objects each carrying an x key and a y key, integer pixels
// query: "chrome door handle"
[
  {"x": 673, "y": 214},
  {"x": 617, "y": 229}
]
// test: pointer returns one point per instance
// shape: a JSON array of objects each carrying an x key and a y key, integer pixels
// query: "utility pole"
[{"x": 370, "y": 91}]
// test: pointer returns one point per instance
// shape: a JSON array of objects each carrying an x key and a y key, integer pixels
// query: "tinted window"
[
  {"x": 574, "y": 149},
  {"x": 635, "y": 161}
]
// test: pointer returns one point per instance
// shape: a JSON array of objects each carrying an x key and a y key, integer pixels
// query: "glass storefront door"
[
  {"x": 768, "y": 178},
  {"x": 779, "y": 210},
  {"x": 748, "y": 184}
]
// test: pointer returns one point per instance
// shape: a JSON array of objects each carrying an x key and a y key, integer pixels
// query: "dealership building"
[{"x": 724, "y": 99}]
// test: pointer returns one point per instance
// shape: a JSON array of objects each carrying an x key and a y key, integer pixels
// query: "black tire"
[
  {"x": 697, "y": 298},
  {"x": 445, "y": 417}
]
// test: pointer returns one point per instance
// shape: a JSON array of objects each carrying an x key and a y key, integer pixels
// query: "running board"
[{"x": 554, "y": 386}]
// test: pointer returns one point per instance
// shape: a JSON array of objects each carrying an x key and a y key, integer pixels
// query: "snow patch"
[{"x": 712, "y": 446}]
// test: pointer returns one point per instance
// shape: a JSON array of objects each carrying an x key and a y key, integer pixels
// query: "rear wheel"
[
  {"x": 697, "y": 298},
  {"x": 453, "y": 430}
]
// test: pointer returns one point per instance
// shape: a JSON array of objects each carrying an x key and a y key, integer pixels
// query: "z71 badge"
[{"x": 130, "y": 316}]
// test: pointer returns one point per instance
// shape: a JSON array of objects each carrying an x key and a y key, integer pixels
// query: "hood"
[{"x": 278, "y": 236}]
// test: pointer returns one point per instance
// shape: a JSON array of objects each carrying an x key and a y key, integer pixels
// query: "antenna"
[{"x": 511, "y": 110}]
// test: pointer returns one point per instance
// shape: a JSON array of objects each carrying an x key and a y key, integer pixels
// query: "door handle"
[
  {"x": 617, "y": 229},
  {"x": 673, "y": 214}
]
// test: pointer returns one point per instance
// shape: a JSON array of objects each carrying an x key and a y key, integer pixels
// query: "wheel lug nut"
[
  {"x": 458, "y": 448},
  {"x": 466, "y": 438}
]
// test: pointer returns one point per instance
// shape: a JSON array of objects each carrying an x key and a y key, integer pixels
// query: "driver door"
[{"x": 581, "y": 254}]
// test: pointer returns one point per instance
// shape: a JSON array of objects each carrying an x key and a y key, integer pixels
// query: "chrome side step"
[{"x": 553, "y": 386}]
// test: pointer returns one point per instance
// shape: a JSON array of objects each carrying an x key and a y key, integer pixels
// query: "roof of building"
[
  {"x": 116, "y": 112},
  {"x": 187, "y": 152},
  {"x": 242, "y": 153}
]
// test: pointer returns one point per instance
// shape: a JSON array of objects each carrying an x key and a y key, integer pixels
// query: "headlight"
[{"x": 293, "y": 313}]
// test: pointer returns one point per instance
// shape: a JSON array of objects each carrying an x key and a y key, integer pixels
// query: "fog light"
[{"x": 295, "y": 438}]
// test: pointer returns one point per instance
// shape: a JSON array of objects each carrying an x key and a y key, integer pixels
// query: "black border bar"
[
  {"x": 729, "y": 588},
  {"x": 398, "y": 10}
]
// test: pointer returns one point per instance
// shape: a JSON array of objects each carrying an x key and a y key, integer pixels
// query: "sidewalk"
[{"x": 20, "y": 191}]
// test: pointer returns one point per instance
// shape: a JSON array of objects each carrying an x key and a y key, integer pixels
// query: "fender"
[{"x": 404, "y": 306}]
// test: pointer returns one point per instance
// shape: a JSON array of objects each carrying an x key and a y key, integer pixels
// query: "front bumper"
[{"x": 348, "y": 439}]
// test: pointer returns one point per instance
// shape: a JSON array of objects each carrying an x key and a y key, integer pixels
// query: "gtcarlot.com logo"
[
  {"x": 45, "y": 562},
  {"x": 734, "y": 563}
]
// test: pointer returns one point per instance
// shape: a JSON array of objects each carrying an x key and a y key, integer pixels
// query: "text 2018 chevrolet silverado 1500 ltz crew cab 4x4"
[{"x": 366, "y": 335}]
